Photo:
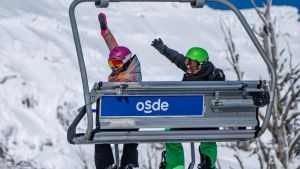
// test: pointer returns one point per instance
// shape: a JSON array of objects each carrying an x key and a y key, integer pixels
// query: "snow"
[{"x": 37, "y": 50}]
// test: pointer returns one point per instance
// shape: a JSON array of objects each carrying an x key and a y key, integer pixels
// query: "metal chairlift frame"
[
  {"x": 247, "y": 89},
  {"x": 143, "y": 88}
]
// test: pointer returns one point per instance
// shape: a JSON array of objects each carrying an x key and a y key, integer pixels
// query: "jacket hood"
[{"x": 131, "y": 74}]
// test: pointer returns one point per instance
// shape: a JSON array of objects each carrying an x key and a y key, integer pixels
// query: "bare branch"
[
  {"x": 233, "y": 59},
  {"x": 264, "y": 149},
  {"x": 260, "y": 161},
  {"x": 260, "y": 13},
  {"x": 296, "y": 67},
  {"x": 291, "y": 88},
  {"x": 270, "y": 125},
  {"x": 296, "y": 71},
  {"x": 240, "y": 161},
  {"x": 281, "y": 67},
  {"x": 297, "y": 130},
  {"x": 292, "y": 145},
  {"x": 294, "y": 74},
  {"x": 292, "y": 117},
  {"x": 267, "y": 7},
  {"x": 230, "y": 62},
  {"x": 286, "y": 78},
  {"x": 281, "y": 52},
  {"x": 256, "y": 32},
  {"x": 288, "y": 107}
]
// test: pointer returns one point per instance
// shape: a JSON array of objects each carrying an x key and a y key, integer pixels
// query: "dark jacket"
[{"x": 208, "y": 71}]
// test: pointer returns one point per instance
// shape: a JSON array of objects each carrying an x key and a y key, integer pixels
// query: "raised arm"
[
  {"x": 105, "y": 32},
  {"x": 174, "y": 56}
]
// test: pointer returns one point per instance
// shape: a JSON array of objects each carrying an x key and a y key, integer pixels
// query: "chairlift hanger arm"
[{"x": 194, "y": 4}]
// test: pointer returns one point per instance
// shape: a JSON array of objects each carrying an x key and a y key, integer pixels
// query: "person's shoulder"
[{"x": 217, "y": 75}]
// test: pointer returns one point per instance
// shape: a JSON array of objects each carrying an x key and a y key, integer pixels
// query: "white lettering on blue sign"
[{"x": 149, "y": 107}]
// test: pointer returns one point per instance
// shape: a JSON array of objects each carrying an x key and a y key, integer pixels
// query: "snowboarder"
[
  {"x": 125, "y": 68},
  {"x": 197, "y": 67}
]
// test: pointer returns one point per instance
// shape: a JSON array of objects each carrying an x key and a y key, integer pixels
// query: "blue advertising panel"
[{"x": 151, "y": 106}]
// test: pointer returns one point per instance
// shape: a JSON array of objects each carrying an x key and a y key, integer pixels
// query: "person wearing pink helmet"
[{"x": 125, "y": 68}]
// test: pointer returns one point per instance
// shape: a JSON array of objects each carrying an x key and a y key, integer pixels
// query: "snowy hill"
[{"x": 40, "y": 85}]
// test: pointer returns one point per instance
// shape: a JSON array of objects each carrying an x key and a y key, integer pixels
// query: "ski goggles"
[
  {"x": 193, "y": 63},
  {"x": 116, "y": 64}
]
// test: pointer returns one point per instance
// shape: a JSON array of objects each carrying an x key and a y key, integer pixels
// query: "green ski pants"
[{"x": 175, "y": 153}]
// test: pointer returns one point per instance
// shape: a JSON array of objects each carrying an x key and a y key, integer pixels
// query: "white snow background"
[{"x": 38, "y": 58}]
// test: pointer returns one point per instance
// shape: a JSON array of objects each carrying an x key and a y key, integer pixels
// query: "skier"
[
  {"x": 125, "y": 68},
  {"x": 197, "y": 67}
]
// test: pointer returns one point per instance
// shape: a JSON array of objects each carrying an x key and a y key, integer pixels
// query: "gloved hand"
[
  {"x": 102, "y": 21},
  {"x": 158, "y": 44}
]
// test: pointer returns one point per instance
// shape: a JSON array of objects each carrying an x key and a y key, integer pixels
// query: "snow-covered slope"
[{"x": 41, "y": 88}]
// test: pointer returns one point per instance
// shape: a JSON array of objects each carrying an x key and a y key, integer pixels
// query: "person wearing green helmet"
[{"x": 197, "y": 67}]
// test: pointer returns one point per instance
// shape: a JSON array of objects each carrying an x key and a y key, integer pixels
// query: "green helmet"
[{"x": 197, "y": 54}]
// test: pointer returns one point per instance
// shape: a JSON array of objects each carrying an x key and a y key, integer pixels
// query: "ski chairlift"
[{"x": 216, "y": 111}]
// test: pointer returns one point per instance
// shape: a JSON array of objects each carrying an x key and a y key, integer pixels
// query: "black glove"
[{"x": 158, "y": 44}]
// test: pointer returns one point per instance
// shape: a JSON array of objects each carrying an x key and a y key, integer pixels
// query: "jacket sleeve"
[
  {"x": 109, "y": 39},
  {"x": 174, "y": 56}
]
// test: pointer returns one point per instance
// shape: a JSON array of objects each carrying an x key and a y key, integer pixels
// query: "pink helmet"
[{"x": 120, "y": 53}]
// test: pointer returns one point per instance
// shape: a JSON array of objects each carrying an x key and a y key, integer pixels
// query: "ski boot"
[{"x": 205, "y": 162}]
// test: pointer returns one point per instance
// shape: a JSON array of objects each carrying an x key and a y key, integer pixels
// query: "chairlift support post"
[
  {"x": 191, "y": 166},
  {"x": 146, "y": 88}
]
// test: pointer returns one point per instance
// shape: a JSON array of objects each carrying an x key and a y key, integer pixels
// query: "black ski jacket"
[{"x": 208, "y": 71}]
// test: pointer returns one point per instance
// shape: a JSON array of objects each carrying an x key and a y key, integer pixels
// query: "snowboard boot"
[
  {"x": 102, "y": 21},
  {"x": 129, "y": 166},
  {"x": 205, "y": 162}
]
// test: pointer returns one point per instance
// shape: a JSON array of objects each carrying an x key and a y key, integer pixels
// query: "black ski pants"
[{"x": 104, "y": 155}]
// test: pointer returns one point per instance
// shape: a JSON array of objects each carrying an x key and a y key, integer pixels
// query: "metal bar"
[
  {"x": 71, "y": 134},
  {"x": 263, "y": 55},
  {"x": 249, "y": 86},
  {"x": 191, "y": 166},
  {"x": 203, "y": 87},
  {"x": 237, "y": 90},
  {"x": 82, "y": 66},
  {"x": 117, "y": 156},
  {"x": 181, "y": 83},
  {"x": 181, "y": 122},
  {"x": 167, "y": 136},
  {"x": 170, "y": 86}
]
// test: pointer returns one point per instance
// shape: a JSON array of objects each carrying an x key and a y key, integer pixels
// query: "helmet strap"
[
  {"x": 199, "y": 66},
  {"x": 126, "y": 65}
]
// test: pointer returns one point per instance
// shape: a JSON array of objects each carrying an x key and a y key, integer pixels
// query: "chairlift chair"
[{"x": 216, "y": 111}]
